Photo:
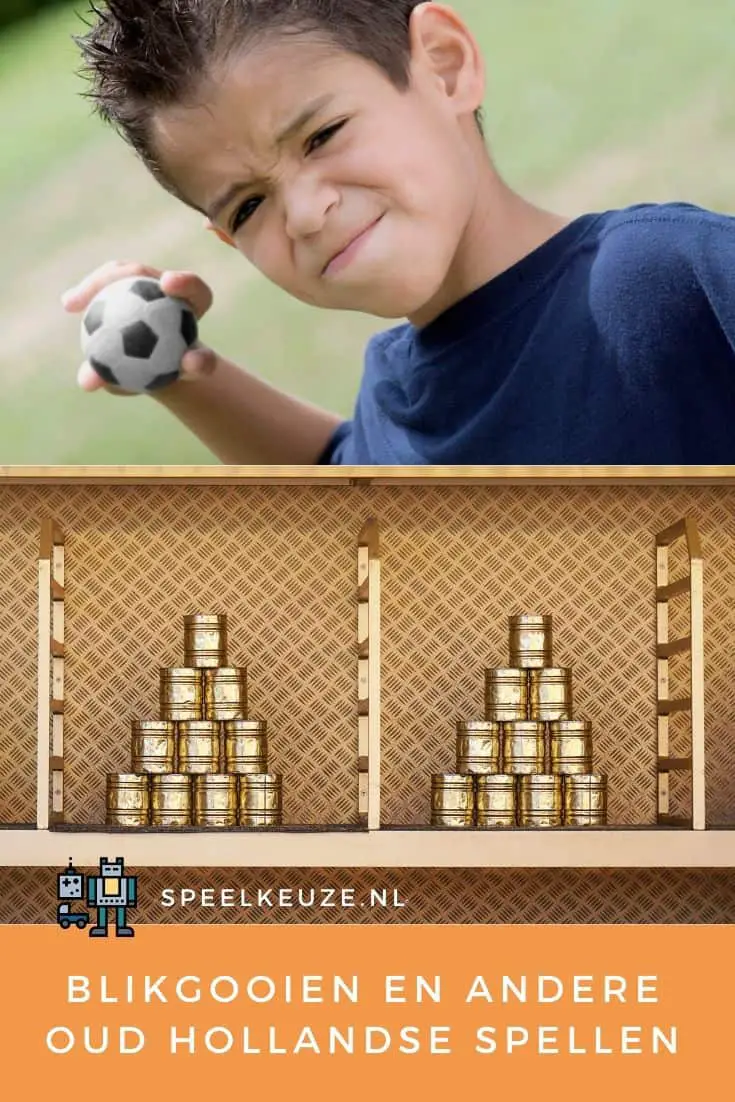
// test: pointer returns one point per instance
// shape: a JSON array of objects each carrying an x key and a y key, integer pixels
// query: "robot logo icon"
[{"x": 111, "y": 891}]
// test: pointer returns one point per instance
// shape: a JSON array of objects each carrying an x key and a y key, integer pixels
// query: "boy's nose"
[{"x": 306, "y": 204}]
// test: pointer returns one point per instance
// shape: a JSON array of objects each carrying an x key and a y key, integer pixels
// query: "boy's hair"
[{"x": 143, "y": 55}]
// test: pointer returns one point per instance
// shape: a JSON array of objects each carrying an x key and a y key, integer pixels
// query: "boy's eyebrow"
[{"x": 304, "y": 116}]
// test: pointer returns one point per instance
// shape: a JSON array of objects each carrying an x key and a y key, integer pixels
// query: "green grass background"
[{"x": 588, "y": 105}]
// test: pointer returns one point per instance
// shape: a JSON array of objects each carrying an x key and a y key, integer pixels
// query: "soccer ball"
[{"x": 134, "y": 335}]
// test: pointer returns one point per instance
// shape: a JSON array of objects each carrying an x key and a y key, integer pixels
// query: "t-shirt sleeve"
[
  {"x": 663, "y": 292},
  {"x": 334, "y": 452}
]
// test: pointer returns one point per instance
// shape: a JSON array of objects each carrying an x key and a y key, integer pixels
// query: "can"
[
  {"x": 570, "y": 746},
  {"x": 153, "y": 745},
  {"x": 127, "y": 799},
  {"x": 181, "y": 694},
  {"x": 205, "y": 640},
  {"x": 585, "y": 799},
  {"x": 478, "y": 746},
  {"x": 496, "y": 800},
  {"x": 215, "y": 800},
  {"x": 530, "y": 641},
  {"x": 246, "y": 746},
  {"x": 524, "y": 747},
  {"x": 225, "y": 693},
  {"x": 171, "y": 799},
  {"x": 261, "y": 799},
  {"x": 550, "y": 694},
  {"x": 541, "y": 800},
  {"x": 452, "y": 800},
  {"x": 198, "y": 745},
  {"x": 506, "y": 695}
]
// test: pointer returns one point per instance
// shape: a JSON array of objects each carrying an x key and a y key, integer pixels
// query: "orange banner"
[{"x": 367, "y": 1012}]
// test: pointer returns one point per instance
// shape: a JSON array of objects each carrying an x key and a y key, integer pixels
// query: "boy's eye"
[
  {"x": 244, "y": 211},
  {"x": 248, "y": 208},
  {"x": 323, "y": 136}
]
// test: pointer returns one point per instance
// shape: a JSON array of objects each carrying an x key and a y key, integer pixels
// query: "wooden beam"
[
  {"x": 43, "y": 707},
  {"x": 674, "y": 765},
  {"x": 674, "y": 589},
  {"x": 508, "y": 475},
  {"x": 671, "y": 534},
  {"x": 563, "y": 847},
  {"x": 669, "y": 707},
  {"x": 678, "y": 646},
  {"x": 696, "y": 611}
]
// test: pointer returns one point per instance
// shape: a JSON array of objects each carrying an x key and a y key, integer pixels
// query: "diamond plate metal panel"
[
  {"x": 457, "y": 561},
  {"x": 428, "y": 895}
]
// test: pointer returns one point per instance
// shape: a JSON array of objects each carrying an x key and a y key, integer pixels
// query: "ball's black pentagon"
[
  {"x": 94, "y": 317},
  {"x": 162, "y": 380},
  {"x": 189, "y": 329},
  {"x": 104, "y": 372},
  {"x": 139, "y": 340},
  {"x": 147, "y": 290}
]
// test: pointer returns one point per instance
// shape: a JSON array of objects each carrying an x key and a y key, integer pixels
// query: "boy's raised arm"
[
  {"x": 243, "y": 420},
  {"x": 240, "y": 418}
]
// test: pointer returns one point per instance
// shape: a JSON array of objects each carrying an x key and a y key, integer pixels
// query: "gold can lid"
[
  {"x": 479, "y": 725},
  {"x": 505, "y": 673}
]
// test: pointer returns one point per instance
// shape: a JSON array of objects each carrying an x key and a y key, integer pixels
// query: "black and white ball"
[{"x": 134, "y": 335}]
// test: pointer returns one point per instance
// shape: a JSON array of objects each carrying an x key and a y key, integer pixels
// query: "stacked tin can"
[
  {"x": 203, "y": 762},
  {"x": 529, "y": 762}
]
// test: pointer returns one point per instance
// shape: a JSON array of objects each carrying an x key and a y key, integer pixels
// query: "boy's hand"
[{"x": 198, "y": 361}]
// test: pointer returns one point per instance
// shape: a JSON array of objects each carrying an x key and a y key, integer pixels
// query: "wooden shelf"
[
  {"x": 377, "y": 476},
  {"x": 389, "y": 848}
]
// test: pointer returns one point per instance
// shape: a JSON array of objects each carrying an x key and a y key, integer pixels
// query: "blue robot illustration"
[
  {"x": 70, "y": 887},
  {"x": 110, "y": 890}
]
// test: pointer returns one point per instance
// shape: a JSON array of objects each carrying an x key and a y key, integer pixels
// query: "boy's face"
[{"x": 359, "y": 158}]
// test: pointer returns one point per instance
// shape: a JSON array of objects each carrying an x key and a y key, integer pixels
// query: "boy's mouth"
[{"x": 341, "y": 259}]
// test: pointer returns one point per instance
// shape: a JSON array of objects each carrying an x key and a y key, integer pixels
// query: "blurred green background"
[{"x": 589, "y": 105}]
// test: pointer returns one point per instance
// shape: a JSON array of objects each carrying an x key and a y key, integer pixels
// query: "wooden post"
[
  {"x": 368, "y": 675},
  {"x": 693, "y": 644},
  {"x": 50, "y": 707}
]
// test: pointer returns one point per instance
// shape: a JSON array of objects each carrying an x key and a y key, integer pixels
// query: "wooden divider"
[
  {"x": 368, "y": 674},
  {"x": 692, "y": 644},
  {"x": 51, "y": 652}
]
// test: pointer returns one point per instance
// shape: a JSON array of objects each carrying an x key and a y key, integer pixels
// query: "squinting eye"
[
  {"x": 323, "y": 136},
  {"x": 244, "y": 211}
]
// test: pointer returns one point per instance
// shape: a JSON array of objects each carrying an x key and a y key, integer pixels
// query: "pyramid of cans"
[
  {"x": 529, "y": 762},
  {"x": 202, "y": 762}
]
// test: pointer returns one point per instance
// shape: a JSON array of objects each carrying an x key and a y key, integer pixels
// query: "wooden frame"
[
  {"x": 215, "y": 475},
  {"x": 691, "y": 585},
  {"x": 590, "y": 848},
  {"x": 50, "y": 758},
  {"x": 368, "y": 675}
]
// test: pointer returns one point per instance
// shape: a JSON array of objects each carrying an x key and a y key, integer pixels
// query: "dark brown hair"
[{"x": 142, "y": 55}]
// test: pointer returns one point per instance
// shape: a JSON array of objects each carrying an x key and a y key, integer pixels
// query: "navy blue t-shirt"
[{"x": 612, "y": 343}]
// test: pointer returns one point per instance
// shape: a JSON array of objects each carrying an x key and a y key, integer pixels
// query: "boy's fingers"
[
  {"x": 88, "y": 379},
  {"x": 188, "y": 286},
  {"x": 195, "y": 364},
  {"x": 198, "y": 362},
  {"x": 78, "y": 298}
]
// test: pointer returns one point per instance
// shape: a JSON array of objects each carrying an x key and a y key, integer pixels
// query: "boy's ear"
[{"x": 220, "y": 233}]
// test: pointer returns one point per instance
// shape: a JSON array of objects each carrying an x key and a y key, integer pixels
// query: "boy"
[{"x": 339, "y": 147}]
